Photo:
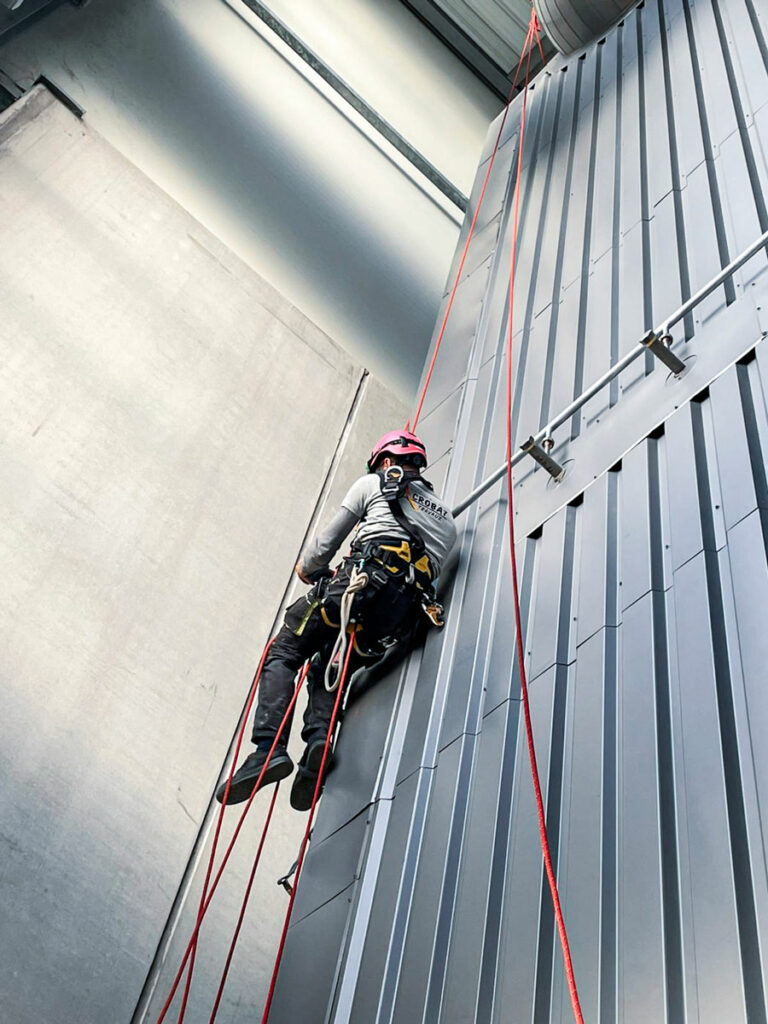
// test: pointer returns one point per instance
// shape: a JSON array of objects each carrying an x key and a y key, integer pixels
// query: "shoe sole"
[
  {"x": 303, "y": 788},
  {"x": 240, "y": 791}
]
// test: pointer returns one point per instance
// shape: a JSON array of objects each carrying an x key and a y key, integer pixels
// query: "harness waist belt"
[{"x": 398, "y": 558}]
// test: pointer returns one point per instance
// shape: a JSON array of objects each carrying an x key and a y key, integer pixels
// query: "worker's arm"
[{"x": 318, "y": 553}]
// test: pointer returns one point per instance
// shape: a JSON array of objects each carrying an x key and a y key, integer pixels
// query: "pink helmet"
[{"x": 398, "y": 442}]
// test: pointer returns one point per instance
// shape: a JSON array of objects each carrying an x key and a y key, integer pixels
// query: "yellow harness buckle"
[
  {"x": 404, "y": 551},
  {"x": 326, "y": 620},
  {"x": 423, "y": 566}
]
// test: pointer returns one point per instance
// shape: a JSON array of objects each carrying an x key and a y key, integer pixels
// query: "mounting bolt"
[
  {"x": 658, "y": 345},
  {"x": 555, "y": 470}
]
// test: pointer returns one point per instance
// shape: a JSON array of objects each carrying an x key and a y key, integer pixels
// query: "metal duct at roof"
[{"x": 573, "y": 24}]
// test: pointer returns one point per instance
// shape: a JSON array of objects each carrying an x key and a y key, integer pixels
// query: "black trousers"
[{"x": 310, "y": 627}]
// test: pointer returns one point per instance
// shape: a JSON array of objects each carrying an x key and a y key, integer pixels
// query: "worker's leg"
[
  {"x": 384, "y": 613},
  {"x": 292, "y": 646},
  {"x": 320, "y": 703},
  {"x": 290, "y": 649}
]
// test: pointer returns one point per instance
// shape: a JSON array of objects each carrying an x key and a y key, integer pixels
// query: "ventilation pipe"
[{"x": 573, "y": 24}]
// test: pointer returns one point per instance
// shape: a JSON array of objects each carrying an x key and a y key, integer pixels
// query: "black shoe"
[
  {"x": 245, "y": 778},
  {"x": 303, "y": 788}
]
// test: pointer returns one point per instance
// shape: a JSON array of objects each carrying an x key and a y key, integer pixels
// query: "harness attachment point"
[{"x": 392, "y": 482}]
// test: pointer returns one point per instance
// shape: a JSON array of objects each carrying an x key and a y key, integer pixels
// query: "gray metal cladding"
[{"x": 644, "y": 583}]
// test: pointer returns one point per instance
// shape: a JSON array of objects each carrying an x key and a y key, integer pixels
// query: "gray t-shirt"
[{"x": 366, "y": 505}]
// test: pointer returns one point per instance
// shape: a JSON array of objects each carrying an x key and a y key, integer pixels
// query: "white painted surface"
[
  {"x": 215, "y": 111},
  {"x": 168, "y": 421}
]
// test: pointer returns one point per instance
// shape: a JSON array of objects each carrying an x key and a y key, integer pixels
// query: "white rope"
[{"x": 357, "y": 581}]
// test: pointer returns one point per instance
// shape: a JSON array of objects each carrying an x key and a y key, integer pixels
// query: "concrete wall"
[
  {"x": 208, "y": 102},
  {"x": 168, "y": 426}
]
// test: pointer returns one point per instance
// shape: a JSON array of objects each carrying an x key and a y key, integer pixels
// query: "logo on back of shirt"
[{"x": 427, "y": 505}]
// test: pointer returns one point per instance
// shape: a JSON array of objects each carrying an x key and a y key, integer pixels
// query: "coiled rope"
[{"x": 358, "y": 580}]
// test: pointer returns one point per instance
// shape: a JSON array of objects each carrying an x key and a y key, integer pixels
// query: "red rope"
[
  {"x": 305, "y": 840},
  {"x": 219, "y": 821},
  {"x": 230, "y": 847},
  {"x": 537, "y": 30},
  {"x": 208, "y": 889},
  {"x": 518, "y": 620},
  {"x": 526, "y": 48},
  {"x": 243, "y": 907}
]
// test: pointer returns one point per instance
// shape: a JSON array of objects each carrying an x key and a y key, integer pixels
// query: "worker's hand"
[{"x": 301, "y": 574}]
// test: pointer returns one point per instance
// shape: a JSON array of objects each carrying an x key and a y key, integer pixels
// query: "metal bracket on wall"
[
  {"x": 659, "y": 346},
  {"x": 657, "y": 337},
  {"x": 540, "y": 453}
]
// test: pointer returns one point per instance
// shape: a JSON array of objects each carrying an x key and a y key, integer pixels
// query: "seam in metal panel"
[
  {"x": 486, "y": 1000},
  {"x": 522, "y": 366},
  {"x": 613, "y": 388},
  {"x": 757, "y": 459},
  {"x": 645, "y": 227},
  {"x": 581, "y": 328},
  {"x": 682, "y": 250},
  {"x": 462, "y": 804},
  {"x": 533, "y": 551},
  {"x": 762, "y": 45},
  {"x": 448, "y": 893},
  {"x": 521, "y": 334},
  {"x": 462, "y": 801},
  {"x": 673, "y": 952},
  {"x": 554, "y": 792},
  {"x": 494, "y": 910},
  {"x": 754, "y": 996},
  {"x": 404, "y": 902},
  {"x": 749, "y": 156},
  {"x": 609, "y": 845},
  {"x": 560, "y": 255},
  {"x": 706, "y": 137}
]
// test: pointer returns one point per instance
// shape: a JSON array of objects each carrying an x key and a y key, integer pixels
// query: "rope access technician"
[{"x": 404, "y": 533}]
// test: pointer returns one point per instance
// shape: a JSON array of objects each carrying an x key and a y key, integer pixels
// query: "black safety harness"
[{"x": 391, "y": 560}]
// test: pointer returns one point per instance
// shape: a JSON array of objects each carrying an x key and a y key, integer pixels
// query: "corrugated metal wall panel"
[{"x": 644, "y": 579}]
